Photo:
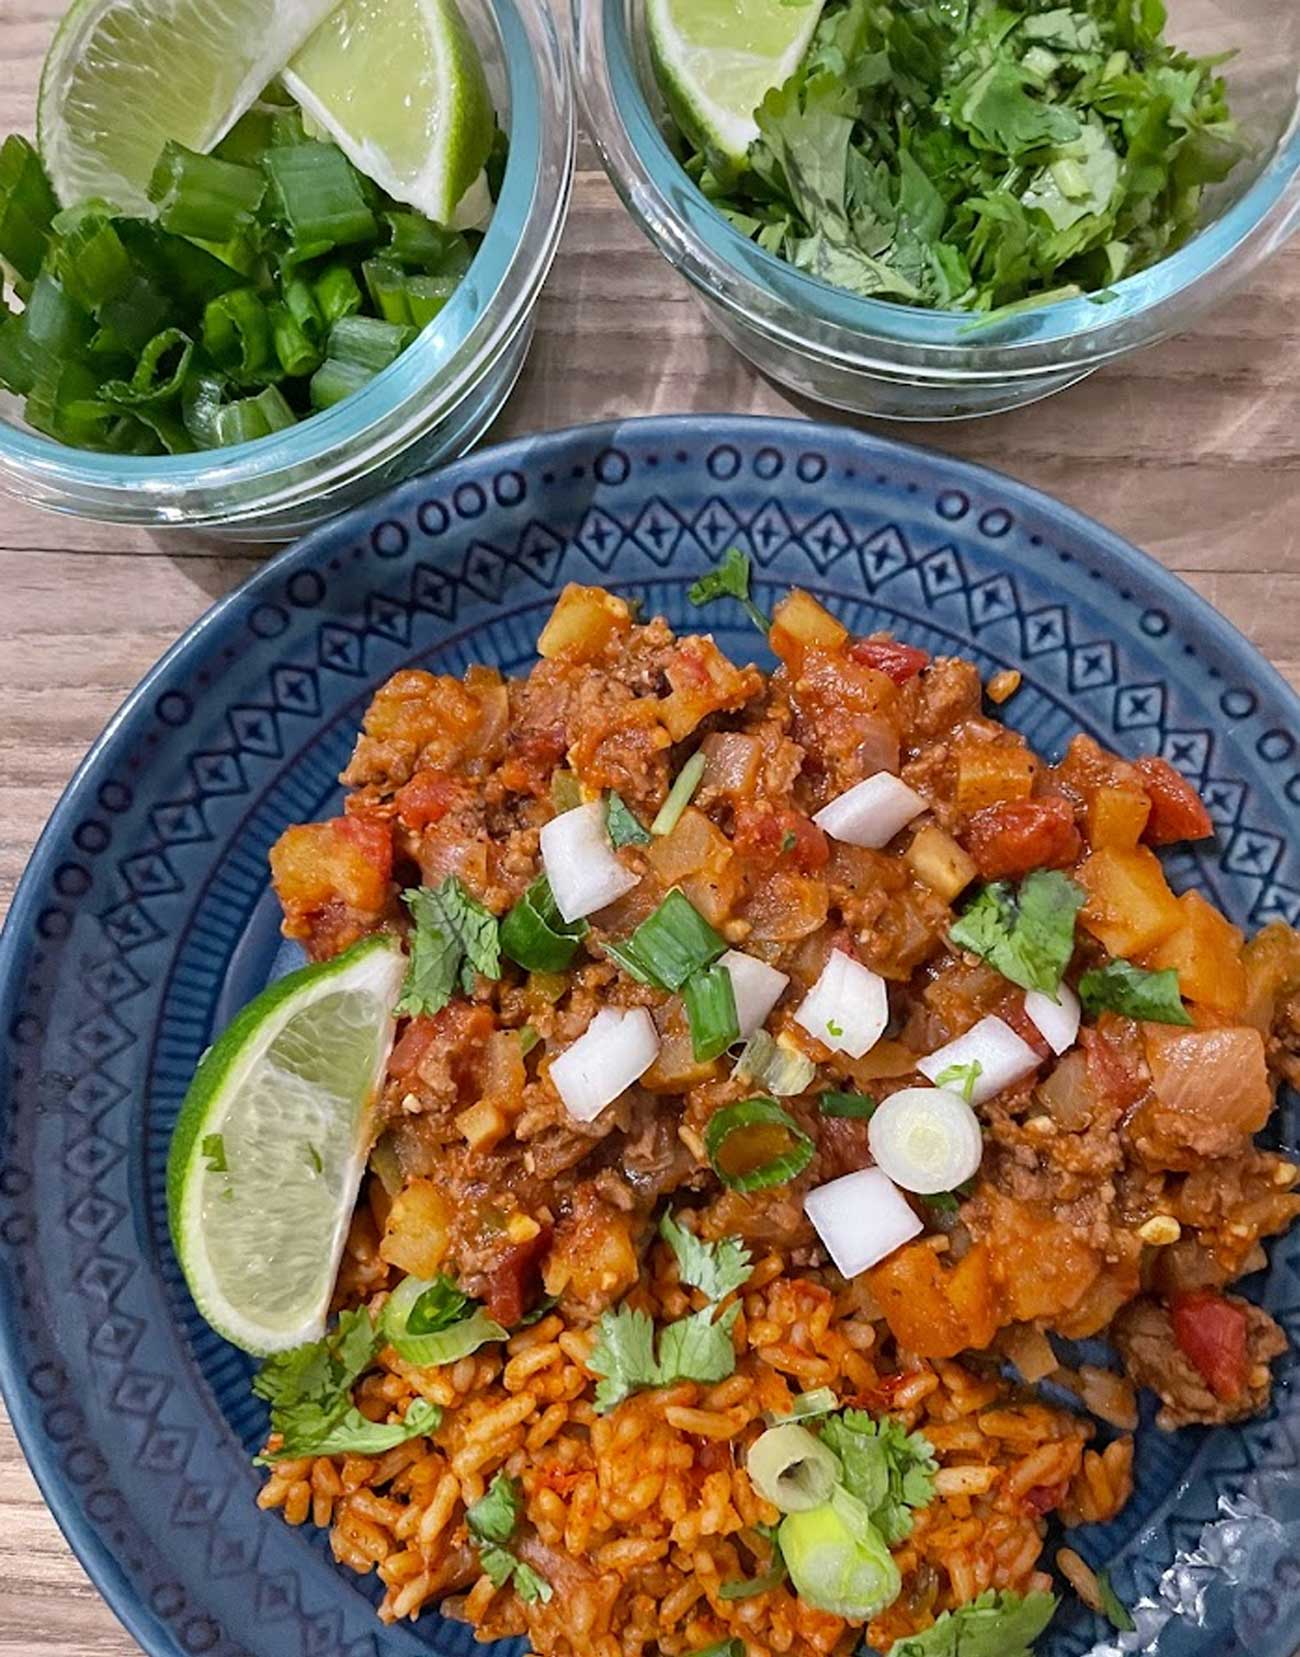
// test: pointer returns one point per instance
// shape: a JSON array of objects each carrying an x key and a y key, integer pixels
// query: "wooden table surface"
[{"x": 1192, "y": 450}]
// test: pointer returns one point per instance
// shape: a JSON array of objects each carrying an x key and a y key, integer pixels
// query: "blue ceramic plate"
[{"x": 145, "y": 920}]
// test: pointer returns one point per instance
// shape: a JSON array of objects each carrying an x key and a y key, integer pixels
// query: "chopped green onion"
[
  {"x": 672, "y": 944},
  {"x": 198, "y": 195},
  {"x": 416, "y": 241},
  {"x": 27, "y": 207},
  {"x": 426, "y": 296},
  {"x": 711, "y": 1012},
  {"x": 400, "y": 1325},
  {"x": 456, "y": 260},
  {"x": 535, "y": 935},
  {"x": 859, "y": 1105},
  {"x": 528, "y": 1039},
  {"x": 838, "y": 1561},
  {"x": 89, "y": 258},
  {"x": 368, "y": 342},
  {"x": 297, "y": 356},
  {"x": 237, "y": 333},
  {"x": 679, "y": 795},
  {"x": 254, "y": 417},
  {"x": 770, "y": 1147},
  {"x": 623, "y": 956},
  {"x": 333, "y": 382},
  {"x": 749, "y": 1587},
  {"x": 319, "y": 195},
  {"x": 287, "y": 129},
  {"x": 180, "y": 271},
  {"x": 18, "y": 365},
  {"x": 159, "y": 375},
  {"x": 820, "y": 1401},
  {"x": 783, "y": 1070},
  {"x": 386, "y": 283},
  {"x": 792, "y": 1468},
  {"x": 300, "y": 302},
  {"x": 57, "y": 330},
  {"x": 566, "y": 791},
  {"x": 250, "y": 137},
  {"x": 167, "y": 426},
  {"x": 337, "y": 294}
]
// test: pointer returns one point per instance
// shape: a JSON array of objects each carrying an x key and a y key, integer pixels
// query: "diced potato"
[
  {"x": 937, "y": 859},
  {"x": 418, "y": 1232},
  {"x": 676, "y": 1069},
  {"x": 799, "y": 623},
  {"x": 1117, "y": 817},
  {"x": 936, "y": 1311},
  {"x": 703, "y": 681},
  {"x": 484, "y": 1125},
  {"x": 347, "y": 860},
  {"x": 990, "y": 774},
  {"x": 1205, "y": 952},
  {"x": 583, "y": 622},
  {"x": 1129, "y": 905},
  {"x": 699, "y": 858},
  {"x": 1272, "y": 963}
]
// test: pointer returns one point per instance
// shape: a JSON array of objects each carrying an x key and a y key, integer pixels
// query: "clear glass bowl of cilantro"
[
  {"x": 313, "y": 386},
  {"x": 952, "y": 207}
]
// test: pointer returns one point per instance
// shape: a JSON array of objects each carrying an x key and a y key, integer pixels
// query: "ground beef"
[{"x": 1143, "y": 1331}]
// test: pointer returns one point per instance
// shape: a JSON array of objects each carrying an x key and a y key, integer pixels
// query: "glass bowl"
[
  {"x": 431, "y": 405},
  {"x": 874, "y": 357}
]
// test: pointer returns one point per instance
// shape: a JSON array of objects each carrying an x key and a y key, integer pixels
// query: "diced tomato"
[
  {"x": 785, "y": 837},
  {"x": 1021, "y": 835},
  {"x": 1043, "y": 1499},
  {"x": 899, "y": 662},
  {"x": 1211, "y": 1333},
  {"x": 1116, "y": 1063},
  {"x": 418, "y": 1037},
  {"x": 513, "y": 1283},
  {"x": 372, "y": 837},
  {"x": 1013, "y": 1012},
  {"x": 427, "y": 798},
  {"x": 1176, "y": 809},
  {"x": 459, "y": 1030}
]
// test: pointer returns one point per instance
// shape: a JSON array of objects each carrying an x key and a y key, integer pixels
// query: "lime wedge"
[
  {"x": 124, "y": 76},
  {"x": 716, "y": 60},
  {"x": 271, "y": 1142},
  {"x": 399, "y": 86}
]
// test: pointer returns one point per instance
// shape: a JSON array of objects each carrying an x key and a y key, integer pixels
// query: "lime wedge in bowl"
[
  {"x": 716, "y": 60},
  {"x": 124, "y": 76},
  {"x": 271, "y": 1142},
  {"x": 399, "y": 86}
]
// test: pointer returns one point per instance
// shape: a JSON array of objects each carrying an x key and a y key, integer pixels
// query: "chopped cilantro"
[
  {"x": 961, "y": 1078},
  {"x": 1027, "y": 934},
  {"x": 1113, "y": 1607},
  {"x": 714, "y": 1268},
  {"x": 214, "y": 1149},
  {"x": 888, "y": 1469},
  {"x": 963, "y": 154},
  {"x": 621, "y": 825},
  {"x": 730, "y": 580},
  {"x": 492, "y": 1521},
  {"x": 695, "y": 1348},
  {"x": 310, "y": 1393},
  {"x": 999, "y": 1623},
  {"x": 1120, "y": 987},
  {"x": 454, "y": 938}
]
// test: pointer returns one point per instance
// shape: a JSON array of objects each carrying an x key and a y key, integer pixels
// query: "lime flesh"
[
  {"x": 716, "y": 60},
  {"x": 124, "y": 76},
  {"x": 271, "y": 1143},
  {"x": 400, "y": 87}
]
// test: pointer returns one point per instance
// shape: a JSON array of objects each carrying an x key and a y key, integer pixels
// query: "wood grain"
[{"x": 1192, "y": 450}]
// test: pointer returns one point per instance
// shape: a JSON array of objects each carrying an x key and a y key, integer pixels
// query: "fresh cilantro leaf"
[
  {"x": 889, "y": 1470},
  {"x": 859, "y": 1105},
  {"x": 310, "y": 1393},
  {"x": 996, "y": 110},
  {"x": 730, "y": 580},
  {"x": 623, "y": 1356},
  {"x": 530, "y": 1585},
  {"x": 1120, "y": 987},
  {"x": 1113, "y": 1607},
  {"x": 716, "y": 1269},
  {"x": 1028, "y": 934},
  {"x": 997, "y": 1624},
  {"x": 496, "y": 1513},
  {"x": 498, "y": 1563},
  {"x": 961, "y": 1078},
  {"x": 622, "y": 825},
  {"x": 454, "y": 938},
  {"x": 696, "y": 1348},
  {"x": 214, "y": 1149}
]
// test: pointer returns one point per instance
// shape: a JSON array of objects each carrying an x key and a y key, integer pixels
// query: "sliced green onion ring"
[
  {"x": 781, "y": 1069},
  {"x": 449, "y": 1345},
  {"x": 765, "y": 1126},
  {"x": 711, "y": 1012},
  {"x": 792, "y": 1468},
  {"x": 820, "y": 1401}
]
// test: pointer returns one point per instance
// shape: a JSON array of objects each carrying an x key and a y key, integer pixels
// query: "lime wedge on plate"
[
  {"x": 271, "y": 1143},
  {"x": 399, "y": 86},
  {"x": 124, "y": 76},
  {"x": 716, "y": 60}
]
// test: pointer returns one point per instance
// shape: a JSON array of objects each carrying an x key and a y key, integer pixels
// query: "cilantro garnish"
[
  {"x": 889, "y": 1470},
  {"x": 1026, "y": 934},
  {"x": 454, "y": 938},
  {"x": 622, "y": 825},
  {"x": 213, "y": 1149},
  {"x": 968, "y": 155},
  {"x": 695, "y": 1348},
  {"x": 492, "y": 1521},
  {"x": 1120, "y": 987},
  {"x": 310, "y": 1393},
  {"x": 999, "y": 1623},
  {"x": 1113, "y": 1608},
  {"x": 714, "y": 1268},
  {"x": 730, "y": 580}
]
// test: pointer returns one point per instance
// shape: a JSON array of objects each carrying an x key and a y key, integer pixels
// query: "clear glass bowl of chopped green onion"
[
  {"x": 931, "y": 209},
  {"x": 263, "y": 258}
]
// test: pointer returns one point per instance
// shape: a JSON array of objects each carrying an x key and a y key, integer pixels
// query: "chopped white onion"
[
  {"x": 871, "y": 812},
  {"x": 580, "y": 863},
  {"x": 847, "y": 1008},
  {"x": 756, "y": 987},
  {"x": 615, "y": 1050},
  {"x": 1002, "y": 1057},
  {"x": 860, "y": 1218},
  {"x": 926, "y": 1139},
  {"x": 1057, "y": 1021}
]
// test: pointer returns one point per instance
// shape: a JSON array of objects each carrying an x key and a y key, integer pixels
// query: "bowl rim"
[
  {"x": 426, "y": 383},
  {"x": 803, "y": 313}
]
